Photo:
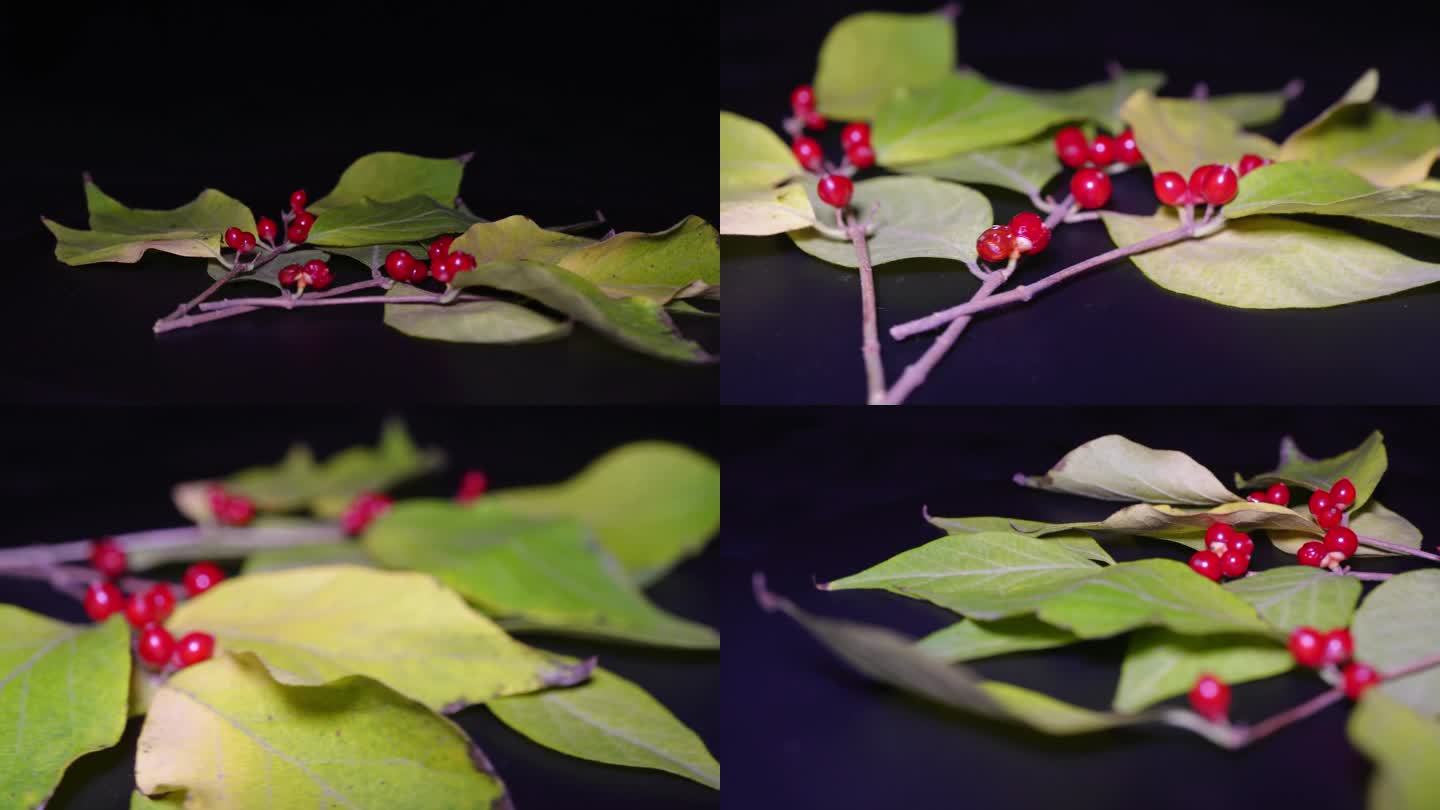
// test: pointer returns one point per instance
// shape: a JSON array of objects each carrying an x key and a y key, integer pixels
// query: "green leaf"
[
  {"x": 534, "y": 574},
  {"x": 752, "y": 156},
  {"x": 385, "y": 177},
  {"x": 1114, "y": 468},
  {"x": 1252, "y": 109},
  {"x": 609, "y": 719},
  {"x": 651, "y": 504},
  {"x": 1160, "y": 664},
  {"x": 229, "y": 736},
  {"x": 371, "y": 222},
  {"x": 1404, "y": 745},
  {"x": 305, "y": 623},
  {"x": 961, "y": 113},
  {"x": 170, "y": 801},
  {"x": 871, "y": 57},
  {"x": 917, "y": 217},
  {"x": 515, "y": 238},
  {"x": 637, "y": 323},
  {"x": 1394, "y": 627},
  {"x": 120, "y": 234},
  {"x": 488, "y": 321},
  {"x": 1024, "y": 167},
  {"x": 1179, "y": 134},
  {"x": 1363, "y": 465},
  {"x": 766, "y": 211},
  {"x": 970, "y": 640},
  {"x": 658, "y": 266},
  {"x": 1385, "y": 146},
  {"x": 269, "y": 272},
  {"x": 1271, "y": 263},
  {"x": 1099, "y": 102},
  {"x": 62, "y": 694},
  {"x": 281, "y": 559},
  {"x": 1370, "y": 520},
  {"x": 301, "y": 482},
  {"x": 1076, "y": 541},
  {"x": 1308, "y": 187},
  {"x": 1299, "y": 596},
  {"x": 1187, "y": 526},
  {"x": 373, "y": 256}
]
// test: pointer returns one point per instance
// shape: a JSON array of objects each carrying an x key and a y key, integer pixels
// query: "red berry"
[
  {"x": 863, "y": 156},
  {"x": 1337, "y": 646},
  {"x": 232, "y": 238},
  {"x": 802, "y": 98},
  {"x": 1071, "y": 147},
  {"x": 194, "y": 648},
  {"x": 472, "y": 485},
  {"x": 290, "y": 275},
  {"x": 155, "y": 645},
  {"x": 459, "y": 262},
  {"x": 813, "y": 120},
  {"x": 1221, "y": 533},
  {"x": 298, "y": 200},
  {"x": 102, "y": 600},
  {"x": 1221, "y": 185},
  {"x": 1258, "y": 496},
  {"x": 1234, "y": 564},
  {"x": 1127, "y": 150},
  {"x": 440, "y": 248},
  {"x": 1103, "y": 150},
  {"x": 835, "y": 190},
  {"x": 247, "y": 242},
  {"x": 1028, "y": 225},
  {"x": 267, "y": 229},
  {"x": 1206, "y": 564},
  {"x": 856, "y": 133},
  {"x": 1358, "y": 678},
  {"x": 1278, "y": 494},
  {"x": 996, "y": 244},
  {"x": 419, "y": 271},
  {"x": 1329, "y": 517},
  {"x": 1170, "y": 188},
  {"x": 1197, "y": 181},
  {"x": 317, "y": 274},
  {"x": 1342, "y": 494},
  {"x": 1307, "y": 647},
  {"x": 138, "y": 611},
  {"x": 295, "y": 234},
  {"x": 1091, "y": 188},
  {"x": 201, "y": 577},
  {"x": 231, "y": 510},
  {"x": 1320, "y": 501},
  {"x": 807, "y": 150},
  {"x": 364, "y": 508},
  {"x": 1312, "y": 553},
  {"x": 1342, "y": 540},
  {"x": 1250, "y": 163},
  {"x": 107, "y": 557},
  {"x": 161, "y": 599},
  {"x": 304, "y": 219},
  {"x": 1243, "y": 544},
  {"x": 1210, "y": 698},
  {"x": 398, "y": 264}
]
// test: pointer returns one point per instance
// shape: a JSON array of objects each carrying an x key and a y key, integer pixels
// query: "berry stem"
[
  {"x": 178, "y": 543},
  {"x": 1274, "y": 723},
  {"x": 870, "y": 341},
  {"x": 315, "y": 300},
  {"x": 71, "y": 580},
  {"x": 1386, "y": 545},
  {"x": 262, "y": 254}
]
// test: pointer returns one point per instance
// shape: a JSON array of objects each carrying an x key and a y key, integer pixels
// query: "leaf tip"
[
  {"x": 570, "y": 674},
  {"x": 767, "y": 601},
  {"x": 465, "y": 158},
  {"x": 87, "y": 178},
  {"x": 1293, "y": 89}
]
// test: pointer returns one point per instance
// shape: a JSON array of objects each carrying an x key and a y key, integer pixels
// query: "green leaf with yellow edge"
[
  {"x": 1255, "y": 109},
  {"x": 514, "y": 238},
  {"x": 1270, "y": 263},
  {"x": 230, "y": 736},
  {"x": 917, "y": 217},
  {"x": 1294, "y": 596},
  {"x": 679, "y": 261},
  {"x": 1404, "y": 745},
  {"x": 372, "y": 222},
  {"x": 960, "y": 113},
  {"x": 1114, "y": 468},
  {"x": 299, "y": 481},
  {"x": 303, "y": 623},
  {"x": 1187, "y": 525},
  {"x": 1385, "y": 146},
  {"x": 1178, "y": 134},
  {"x": 1394, "y": 628},
  {"x": 536, "y": 574},
  {"x": 1157, "y": 592},
  {"x": 1076, "y": 541},
  {"x": 1161, "y": 664},
  {"x": 651, "y": 504},
  {"x": 1361, "y": 92},
  {"x": 1364, "y": 465},
  {"x": 121, "y": 234},
  {"x": 1024, "y": 167},
  {"x": 609, "y": 719},
  {"x": 1098, "y": 102},
  {"x": 765, "y": 211},
  {"x": 752, "y": 156},
  {"x": 1324, "y": 189},
  {"x": 488, "y": 321},
  {"x": 1370, "y": 520},
  {"x": 385, "y": 177},
  {"x": 970, "y": 640},
  {"x": 62, "y": 694},
  {"x": 285, "y": 558},
  {"x": 636, "y": 323},
  {"x": 869, "y": 58}
]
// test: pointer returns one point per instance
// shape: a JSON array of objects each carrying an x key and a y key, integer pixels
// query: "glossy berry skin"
[
  {"x": 1071, "y": 147},
  {"x": 1258, "y": 496},
  {"x": 1307, "y": 647},
  {"x": 459, "y": 262},
  {"x": 161, "y": 599},
  {"x": 201, "y": 577},
  {"x": 247, "y": 242},
  {"x": 1338, "y": 646},
  {"x": 440, "y": 248},
  {"x": 472, "y": 485},
  {"x": 1170, "y": 188},
  {"x": 802, "y": 98},
  {"x": 1126, "y": 150},
  {"x": 1320, "y": 500},
  {"x": 1091, "y": 188},
  {"x": 807, "y": 150},
  {"x": 398, "y": 264},
  {"x": 295, "y": 234},
  {"x": 1278, "y": 494},
  {"x": 1358, "y": 677},
  {"x": 366, "y": 507},
  {"x": 305, "y": 219},
  {"x": 1103, "y": 150},
  {"x": 139, "y": 612},
  {"x": 107, "y": 557},
  {"x": 996, "y": 244},
  {"x": 1221, "y": 185},
  {"x": 1219, "y": 536},
  {"x": 1250, "y": 163},
  {"x": 289, "y": 275},
  {"x": 835, "y": 190},
  {"x": 1197, "y": 181},
  {"x": 232, "y": 510},
  {"x": 419, "y": 272},
  {"x": 155, "y": 646},
  {"x": 856, "y": 133},
  {"x": 1342, "y": 495},
  {"x": 232, "y": 238},
  {"x": 1312, "y": 553},
  {"x": 1206, "y": 564},
  {"x": 1329, "y": 517},
  {"x": 862, "y": 156},
  {"x": 317, "y": 274},
  {"x": 1210, "y": 698},
  {"x": 102, "y": 600},
  {"x": 1343, "y": 540},
  {"x": 1243, "y": 544},
  {"x": 298, "y": 199},
  {"x": 1028, "y": 225},
  {"x": 1234, "y": 564},
  {"x": 814, "y": 120},
  {"x": 194, "y": 648},
  {"x": 267, "y": 229}
]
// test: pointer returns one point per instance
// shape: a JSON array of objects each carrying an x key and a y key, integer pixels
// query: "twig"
[
  {"x": 317, "y": 301},
  {"x": 1386, "y": 545},
  {"x": 73, "y": 580},
  {"x": 870, "y": 340},
  {"x": 240, "y": 540}
]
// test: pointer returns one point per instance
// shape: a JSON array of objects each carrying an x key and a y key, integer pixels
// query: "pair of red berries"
[
  {"x": 156, "y": 647},
  {"x": 230, "y": 509},
  {"x": 301, "y": 221},
  {"x": 238, "y": 240},
  {"x": 1226, "y": 554},
  {"x": 854, "y": 138},
  {"x": 1277, "y": 493},
  {"x": 443, "y": 267},
  {"x": 1314, "y": 649},
  {"x": 314, "y": 274},
  {"x": 1075, "y": 150},
  {"x": 364, "y": 508},
  {"x": 802, "y": 103},
  {"x": 1026, "y": 233},
  {"x": 472, "y": 485}
]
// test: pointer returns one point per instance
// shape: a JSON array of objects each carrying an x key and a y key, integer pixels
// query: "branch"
[
  {"x": 870, "y": 337},
  {"x": 1386, "y": 545},
  {"x": 212, "y": 538}
]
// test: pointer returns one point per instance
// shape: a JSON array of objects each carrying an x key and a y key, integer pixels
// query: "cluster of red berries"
[
  {"x": 854, "y": 138},
  {"x": 230, "y": 509},
  {"x": 301, "y": 221},
  {"x": 1227, "y": 553},
  {"x": 1026, "y": 233},
  {"x": 364, "y": 508},
  {"x": 314, "y": 274},
  {"x": 145, "y": 611},
  {"x": 1314, "y": 649},
  {"x": 1212, "y": 183},
  {"x": 443, "y": 267},
  {"x": 1278, "y": 494},
  {"x": 472, "y": 485},
  {"x": 802, "y": 103},
  {"x": 1340, "y": 542},
  {"x": 1090, "y": 185}
]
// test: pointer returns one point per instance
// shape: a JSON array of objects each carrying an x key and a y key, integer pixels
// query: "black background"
[
  {"x": 794, "y": 329},
  {"x": 74, "y": 474},
  {"x": 568, "y": 108},
  {"x": 820, "y": 495}
]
